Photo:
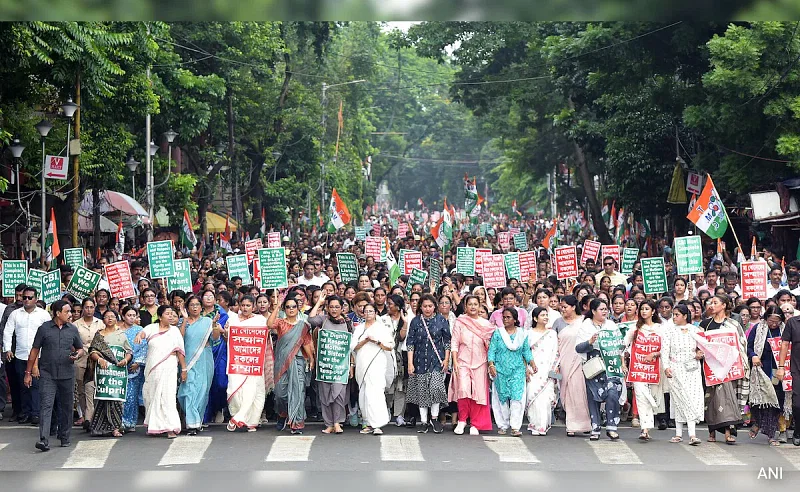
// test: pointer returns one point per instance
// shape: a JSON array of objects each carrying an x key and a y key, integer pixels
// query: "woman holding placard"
[
  {"x": 246, "y": 393},
  {"x": 644, "y": 344},
  {"x": 766, "y": 398},
  {"x": 107, "y": 417}
]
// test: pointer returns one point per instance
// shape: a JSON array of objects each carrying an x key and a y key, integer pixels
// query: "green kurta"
[{"x": 510, "y": 365}]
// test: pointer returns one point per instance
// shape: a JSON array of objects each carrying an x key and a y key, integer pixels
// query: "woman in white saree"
[
  {"x": 373, "y": 344},
  {"x": 246, "y": 393},
  {"x": 541, "y": 386}
]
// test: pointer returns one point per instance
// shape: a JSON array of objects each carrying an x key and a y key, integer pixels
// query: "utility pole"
[{"x": 148, "y": 165}]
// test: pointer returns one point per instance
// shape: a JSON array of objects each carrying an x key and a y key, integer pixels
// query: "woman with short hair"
[
  {"x": 373, "y": 345},
  {"x": 509, "y": 360},
  {"x": 109, "y": 347}
]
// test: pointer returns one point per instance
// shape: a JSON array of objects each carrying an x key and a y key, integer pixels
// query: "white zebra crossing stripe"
[
  {"x": 713, "y": 455},
  {"x": 614, "y": 453},
  {"x": 90, "y": 454},
  {"x": 790, "y": 454},
  {"x": 400, "y": 448},
  {"x": 510, "y": 449},
  {"x": 2, "y": 445},
  {"x": 291, "y": 448},
  {"x": 185, "y": 450}
]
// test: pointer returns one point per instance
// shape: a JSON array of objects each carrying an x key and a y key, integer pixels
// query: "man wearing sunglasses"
[
  {"x": 610, "y": 270},
  {"x": 8, "y": 368},
  {"x": 23, "y": 324}
]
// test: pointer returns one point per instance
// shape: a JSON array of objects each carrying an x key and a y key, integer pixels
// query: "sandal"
[
  {"x": 502, "y": 432},
  {"x": 594, "y": 437},
  {"x": 116, "y": 433},
  {"x": 774, "y": 442},
  {"x": 677, "y": 439},
  {"x": 231, "y": 427},
  {"x": 328, "y": 430},
  {"x": 171, "y": 435},
  {"x": 614, "y": 436},
  {"x": 570, "y": 434},
  {"x": 337, "y": 429},
  {"x": 730, "y": 440},
  {"x": 694, "y": 441},
  {"x": 367, "y": 430},
  {"x": 712, "y": 439},
  {"x": 754, "y": 432},
  {"x": 516, "y": 433},
  {"x": 643, "y": 436}
]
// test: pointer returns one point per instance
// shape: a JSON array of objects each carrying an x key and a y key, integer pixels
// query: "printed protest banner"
[
  {"x": 731, "y": 338},
  {"x": 514, "y": 231},
  {"x": 494, "y": 271},
  {"x": 566, "y": 262},
  {"x": 629, "y": 257},
  {"x": 273, "y": 240},
  {"x": 465, "y": 261},
  {"x": 504, "y": 239},
  {"x": 527, "y": 265},
  {"x": 402, "y": 229},
  {"x": 160, "y": 256},
  {"x": 479, "y": 254},
  {"x": 83, "y": 283},
  {"x": 612, "y": 344},
  {"x": 376, "y": 229},
  {"x": 111, "y": 382},
  {"x": 15, "y": 272},
  {"x": 238, "y": 267},
  {"x": 372, "y": 247},
  {"x": 272, "y": 265},
  {"x": 73, "y": 257},
  {"x": 435, "y": 274},
  {"x": 521, "y": 241},
  {"x": 611, "y": 250},
  {"x": 654, "y": 275},
  {"x": 775, "y": 345},
  {"x": 333, "y": 356},
  {"x": 754, "y": 279},
  {"x": 689, "y": 255},
  {"x": 119, "y": 280},
  {"x": 257, "y": 275},
  {"x": 348, "y": 266},
  {"x": 640, "y": 370},
  {"x": 590, "y": 251},
  {"x": 483, "y": 229},
  {"x": 250, "y": 248},
  {"x": 401, "y": 260},
  {"x": 417, "y": 276},
  {"x": 35, "y": 280},
  {"x": 361, "y": 233},
  {"x": 182, "y": 280},
  {"x": 384, "y": 246},
  {"x": 512, "y": 265},
  {"x": 51, "y": 287},
  {"x": 247, "y": 347},
  {"x": 411, "y": 260}
]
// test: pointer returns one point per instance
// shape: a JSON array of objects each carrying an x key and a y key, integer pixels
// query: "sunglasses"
[
  {"x": 28, "y": 298},
  {"x": 608, "y": 264},
  {"x": 293, "y": 306}
]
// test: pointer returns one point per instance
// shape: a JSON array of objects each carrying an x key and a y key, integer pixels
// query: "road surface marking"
[
  {"x": 290, "y": 448},
  {"x": 614, "y": 453},
  {"x": 2, "y": 445},
  {"x": 713, "y": 455},
  {"x": 790, "y": 454},
  {"x": 510, "y": 449},
  {"x": 185, "y": 450},
  {"x": 400, "y": 448},
  {"x": 90, "y": 454}
]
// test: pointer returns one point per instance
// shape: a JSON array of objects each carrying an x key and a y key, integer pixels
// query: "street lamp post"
[
  {"x": 43, "y": 127},
  {"x": 132, "y": 165},
  {"x": 149, "y": 153},
  {"x": 170, "y": 136},
  {"x": 68, "y": 109},
  {"x": 16, "y": 149}
]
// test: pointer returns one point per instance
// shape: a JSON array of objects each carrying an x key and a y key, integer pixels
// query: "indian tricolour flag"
[
  {"x": 188, "y": 238},
  {"x": 391, "y": 263},
  {"x": 340, "y": 215},
  {"x": 51, "y": 241},
  {"x": 709, "y": 213}
]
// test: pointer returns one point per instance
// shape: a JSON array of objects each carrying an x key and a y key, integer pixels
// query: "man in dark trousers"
[
  {"x": 58, "y": 344},
  {"x": 8, "y": 366},
  {"x": 791, "y": 340}
]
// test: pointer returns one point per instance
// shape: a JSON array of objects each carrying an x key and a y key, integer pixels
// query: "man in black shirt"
[
  {"x": 791, "y": 339},
  {"x": 59, "y": 344}
]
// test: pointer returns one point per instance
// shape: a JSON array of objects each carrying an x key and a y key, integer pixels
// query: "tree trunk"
[
  {"x": 96, "y": 216},
  {"x": 76, "y": 175}
]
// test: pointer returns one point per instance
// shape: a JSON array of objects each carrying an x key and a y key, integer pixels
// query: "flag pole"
[{"x": 727, "y": 217}]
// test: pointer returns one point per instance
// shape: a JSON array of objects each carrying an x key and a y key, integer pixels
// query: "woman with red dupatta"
[{"x": 469, "y": 384}]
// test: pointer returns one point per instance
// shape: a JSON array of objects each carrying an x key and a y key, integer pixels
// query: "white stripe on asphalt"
[
  {"x": 185, "y": 450},
  {"x": 791, "y": 454},
  {"x": 510, "y": 449},
  {"x": 290, "y": 448},
  {"x": 614, "y": 453},
  {"x": 90, "y": 454},
  {"x": 2, "y": 445},
  {"x": 400, "y": 448},
  {"x": 713, "y": 455}
]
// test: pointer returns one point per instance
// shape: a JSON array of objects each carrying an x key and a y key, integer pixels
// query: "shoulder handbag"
[
  {"x": 593, "y": 367},
  {"x": 430, "y": 339}
]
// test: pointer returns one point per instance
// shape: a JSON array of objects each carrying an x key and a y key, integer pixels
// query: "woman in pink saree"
[
  {"x": 469, "y": 384},
  {"x": 573, "y": 382}
]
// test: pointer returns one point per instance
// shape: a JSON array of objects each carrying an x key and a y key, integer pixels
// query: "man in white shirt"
[
  {"x": 308, "y": 277},
  {"x": 318, "y": 273},
  {"x": 774, "y": 284},
  {"x": 24, "y": 323},
  {"x": 609, "y": 270}
]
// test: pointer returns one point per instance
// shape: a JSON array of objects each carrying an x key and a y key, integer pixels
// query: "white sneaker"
[
  {"x": 473, "y": 431},
  {"x": 377, "y": 431},
  {"x": 399, "y": 421},
  {"x": 460, "y": 428}
]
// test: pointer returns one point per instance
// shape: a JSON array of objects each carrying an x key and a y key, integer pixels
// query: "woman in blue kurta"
[
  {"x": 198, "y": 334},
  {"x": 218, "y": 393},
  {"x": 509, "y": 357},
  {"x": 130, "y": 414},
  {"x": 428, "y": 343}
]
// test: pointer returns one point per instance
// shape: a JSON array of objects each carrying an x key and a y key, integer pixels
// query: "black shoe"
[
  {"x": 662, "y": 425},
  {"x": 25, "y": 419},
  {"x": 34, "y": 421},
  {"x": 437, "y": 426},
  {"x": 43, "y": 446},
  {"x": 671, "y": 424},
  {"x": 425, "y": 429},
  {"x": 65, "y": 444},
  {"x": 411, "y": 423},
  {"x": 796, "y": 440}
]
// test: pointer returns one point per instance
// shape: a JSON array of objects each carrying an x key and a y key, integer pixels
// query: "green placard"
[
  {"x": 35, "y": 280},
  {"x": 417, "y": 277},
  {"x": 654, "y": 275},
  {"x": 521, "y": 241},
  {"x": 689, "y": 255},
  {"x": 111, "y": 382},
  {"x": 15, "y": 272},
  {"x": 435, "y": 274},
  {"x": 73, "y": 257},
  {"x": 361, "y": 233},
  {"x": 333, "y": 356},
  {"x": 625, "y": 326},
  {"x": 161, "y": 258},
  {"x": 83, "y": 283},
  {"x": 182, "y": 280},
  {"x": 483, "y": 229},
  {"x": 512, "y": 265},
  {"x": 465, "y": 261},
  {"x": 348, "y": 266},
  {"x": 629, "y": 257},
  {"x": 238, "y": 267},
  {"x": 611, "y": 346},
  {"x": 272, "y": 265},
  {"x": 51, "y": 287}
]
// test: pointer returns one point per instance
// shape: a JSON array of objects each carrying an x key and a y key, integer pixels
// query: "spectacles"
[
  {"x": 293, "y": 306},
  {"x": 28, "y": 298}
]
